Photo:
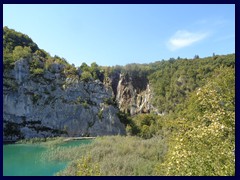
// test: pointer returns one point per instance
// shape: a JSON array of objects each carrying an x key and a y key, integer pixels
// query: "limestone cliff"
[
  {"x": 52, "y": 104},
  {"x": 132, "y": 94}
]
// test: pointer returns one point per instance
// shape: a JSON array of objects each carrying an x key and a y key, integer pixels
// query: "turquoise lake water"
[{"x": 25, "y": 159}]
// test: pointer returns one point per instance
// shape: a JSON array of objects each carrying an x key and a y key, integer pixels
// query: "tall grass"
[
  {"x": 114, "y": 155},
  {"x": 58, "y": 153}
]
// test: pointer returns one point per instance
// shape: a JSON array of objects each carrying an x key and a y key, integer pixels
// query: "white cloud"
[{"x": 183, "y": 39}]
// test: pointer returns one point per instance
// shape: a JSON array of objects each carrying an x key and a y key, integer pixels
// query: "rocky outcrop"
[
  {"x": 132, "y": 99},
  {"x": 132, "y": 93},
  {"x": 51, "y": 104}
]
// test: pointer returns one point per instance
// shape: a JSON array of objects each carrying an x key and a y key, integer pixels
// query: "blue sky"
[{"x": 122, "y": 34}]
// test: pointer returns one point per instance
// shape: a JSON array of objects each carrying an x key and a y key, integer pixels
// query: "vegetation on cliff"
[{"x": 17, "y": 45}]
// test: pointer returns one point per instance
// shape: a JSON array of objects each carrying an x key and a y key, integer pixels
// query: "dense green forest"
[{"x": 194, "y": 135}]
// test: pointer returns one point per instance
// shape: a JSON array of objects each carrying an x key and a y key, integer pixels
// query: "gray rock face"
[
  {"x": 56, "y": 68},
  {"x": 21, "y": 70},
  {"x": 132, "y": 99},
  {"x": 50, "y": 104},
  {"x": 55, "y": 104}
]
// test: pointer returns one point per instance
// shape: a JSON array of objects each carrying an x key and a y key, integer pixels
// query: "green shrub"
[
  {"x": 146, "y": 125},
  {"x": 37, "y": 71},
  {"x": 205, "y": 141},
  {"x": 12, "y": 38},
  {"x": 86, "y": 76},
  {"x": 42, "y": 53},
  {"x": 48, "y": 62},
  {"x": 21, "y": 52},
  {"x": 8, "y": 62},
  {"x": 85, "y": 167},
  {"x": 70, "y": 70}
]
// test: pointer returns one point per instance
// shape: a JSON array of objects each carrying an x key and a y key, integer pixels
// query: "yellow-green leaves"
[
  {"x": 206, "y": 148},
  {"x": 85, "y": 167},
  {"x": 21, "y": 52}
]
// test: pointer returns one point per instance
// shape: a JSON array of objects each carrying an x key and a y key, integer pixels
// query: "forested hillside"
[
  {"x": 181, "y": 112},
  {"x": 173, "y": 79}
]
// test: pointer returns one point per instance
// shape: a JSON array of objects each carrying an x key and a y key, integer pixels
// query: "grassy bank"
[{"x": 111, "y": 155}]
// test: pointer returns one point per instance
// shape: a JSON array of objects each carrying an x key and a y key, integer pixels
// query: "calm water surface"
[{"x": 25, "y": 159}]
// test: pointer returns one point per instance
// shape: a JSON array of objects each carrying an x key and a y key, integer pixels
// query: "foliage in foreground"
[
  {"x": 86, "y": 168},
  {"x": 204, "y": 143}
]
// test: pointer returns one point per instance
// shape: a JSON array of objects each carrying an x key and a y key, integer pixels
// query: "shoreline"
[
  {"x": 5, "y": 142},
  {"x": 78, "y": 138}
]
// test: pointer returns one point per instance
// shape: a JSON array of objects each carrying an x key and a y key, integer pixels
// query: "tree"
[
  {"x": 8, "y": 61},
  {"x": 70, "y": 70},
  {"x": 12, "y": 38},
  {"x": 21, "y": 52},
  {"x": 94, "y": 69},
  {"x": 196, "y": 57},
  {"x": 84, "y": 67},
  {"x": 38, "y": 71},
  {"x": 86, "y": 76},
  {"x": 42, "y": 53},
  {"x": 205, "y": 138}
]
